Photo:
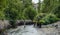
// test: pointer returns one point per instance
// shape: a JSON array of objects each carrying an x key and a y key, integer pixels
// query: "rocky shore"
[{"x": 4, "y": 24}]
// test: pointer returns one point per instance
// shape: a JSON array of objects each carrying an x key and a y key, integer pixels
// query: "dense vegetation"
[{"x": 48, "y": 10}]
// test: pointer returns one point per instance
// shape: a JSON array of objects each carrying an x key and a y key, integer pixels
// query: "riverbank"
[
  {"x": 31, "y": 30},
  {"x": 54, "y": 26}
]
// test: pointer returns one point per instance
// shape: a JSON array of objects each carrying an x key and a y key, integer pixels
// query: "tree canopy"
[{"x": 24, "y": 9}]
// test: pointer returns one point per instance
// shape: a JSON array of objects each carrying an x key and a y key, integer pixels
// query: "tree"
[
  {"x": 49, "y": 6},
  {"x": 3, "y": 5},
  {"x": 29, "y": 13},
  {"x": 13, "y": 11},
  {"x": 39, "y": 6}
]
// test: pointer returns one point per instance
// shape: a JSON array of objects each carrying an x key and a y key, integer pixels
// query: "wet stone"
[{"x": 31, "y": 30}]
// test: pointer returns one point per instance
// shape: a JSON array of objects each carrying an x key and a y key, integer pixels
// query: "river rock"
[{"x": 4, "y": 24}]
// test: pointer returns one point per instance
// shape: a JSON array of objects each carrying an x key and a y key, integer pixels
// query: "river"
[{"x": 31, "y": 30}]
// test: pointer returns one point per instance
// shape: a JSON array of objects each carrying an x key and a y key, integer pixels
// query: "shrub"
[
  {"x": 39, "y": 16},
  {"x": 48, "y": 19}
]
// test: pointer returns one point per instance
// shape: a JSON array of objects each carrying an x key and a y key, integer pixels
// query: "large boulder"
[
  {"x": 4, "y": 24},
  {"x": 21, "y": 22}
]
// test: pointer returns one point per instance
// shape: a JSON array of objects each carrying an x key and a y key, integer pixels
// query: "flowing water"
[{"x": 31, "y": 30}]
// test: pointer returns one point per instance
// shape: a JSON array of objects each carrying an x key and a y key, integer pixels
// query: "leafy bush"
[
  {"x": 39, "y": 16},
  {"x": 2, "y": 15},
  {"x": 29, "y": 13},
  {"x": 57, "y": 11},
  {"x": 48, "y": 19}
]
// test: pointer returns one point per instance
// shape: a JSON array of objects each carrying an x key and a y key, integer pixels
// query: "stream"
[{"x": 31, "y": 30}]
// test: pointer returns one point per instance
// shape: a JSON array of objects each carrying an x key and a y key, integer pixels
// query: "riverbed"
[{"x": 31, "y": 30}]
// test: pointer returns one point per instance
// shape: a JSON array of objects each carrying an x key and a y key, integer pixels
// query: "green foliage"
[
  {"x": 40, "y": 15},
  {"x": 11, "y": 14},
  {"x": 3, "y": 5},
  {"x": 29, "y": 13},
  {"x": 57, "y": 11},
  {"x": 23, "y": 9},
  {"x": 2, "y": 15},
  {"x": 49, "y": 6},
  {"x": 48, "y": 19}
]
